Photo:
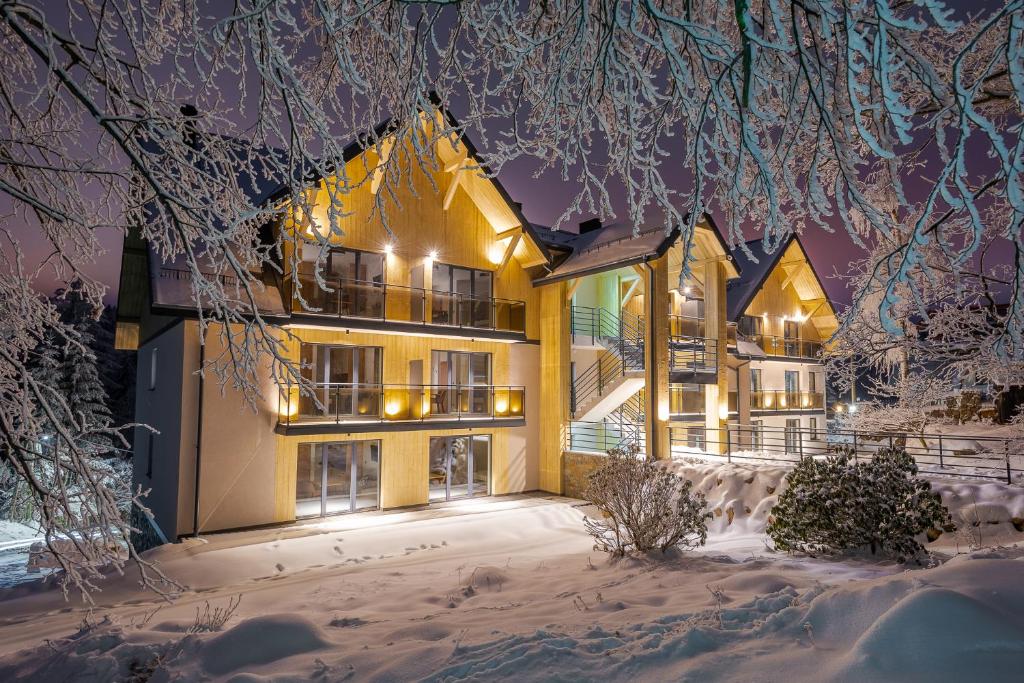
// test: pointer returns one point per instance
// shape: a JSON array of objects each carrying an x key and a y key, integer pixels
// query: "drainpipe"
[
  {"x": 199, "y": 439},
  {"x": 652, "y": 358}
]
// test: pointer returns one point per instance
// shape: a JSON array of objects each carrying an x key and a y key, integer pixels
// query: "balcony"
[
  {"x": 354, "y": 404},
  {"x": 377, "y": 301},
  {"x": 785, "y": 347},
  {"x": 686, "y": 326},
  {"x": 781, "y": 400}
]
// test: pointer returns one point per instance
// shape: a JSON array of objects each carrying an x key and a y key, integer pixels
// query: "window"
[
  {"x": 755, "y": 380},
  {"x": 460, "y": 382},
  {"x": 152, "y": 369},
  {"x": 347, "y": 380},
  {"x": 461, "y": 296},
  {"x": 791, "y": 332},
  {"x": 357, "y": 278},
  {"x": 792, "y": 381},
  {"x": 685, "y": 399},
  {"x": 751, "y": 326},
  {"x": 756, "y": 435},
  {"x": 812, "y": 382},
  {"x": 794, "y": 444},
  {"x": 695, "y": 437},
  {"x": 814, "y": 427}
]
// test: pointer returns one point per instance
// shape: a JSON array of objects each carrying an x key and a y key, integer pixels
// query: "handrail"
[
  {"x": 385, "y": 402},
  {"x": 694, "y": 354},
  {"x": 781, "y": 399},
  {"x": 936, "y": 454},
  {"x": 383, "y": 301},
  {"x": 785, "y": 347}
]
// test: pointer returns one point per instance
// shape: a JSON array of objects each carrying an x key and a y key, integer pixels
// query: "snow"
[
  {"x": 509, "y": 588},
  {"x": 11, "y": 532}
]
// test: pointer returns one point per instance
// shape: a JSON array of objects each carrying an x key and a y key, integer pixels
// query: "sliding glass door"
[
  {"x": 461, "y": 382},
  {"x": 461, "y": 296},
  {"x": 335, "y": 477},
  {"x": 347, "y": 379},
  {"x": 460, "y": 466}
]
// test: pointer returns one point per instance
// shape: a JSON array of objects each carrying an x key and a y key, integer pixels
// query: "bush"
[
  {"x": 839, "y": 504},
  {"x": 644, "y": 507}
]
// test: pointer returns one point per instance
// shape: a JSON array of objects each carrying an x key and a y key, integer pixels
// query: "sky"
[{"x": 543, "y": 200}]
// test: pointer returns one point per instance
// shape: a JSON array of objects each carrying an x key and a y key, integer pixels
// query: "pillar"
[
  {"x": 555, "y": 357},
  {"x": 656, "y": 321},
  {"x": 716, "y": 396}
]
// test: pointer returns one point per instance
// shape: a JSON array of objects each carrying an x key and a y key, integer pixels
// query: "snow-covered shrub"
[
  {"x": 644, "y": 507},
  {"x": 838, "y": 504}
]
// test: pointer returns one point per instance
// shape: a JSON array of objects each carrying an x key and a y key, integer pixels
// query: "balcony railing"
[
  {"x": 786, "y": 400},
  {"x": 397, "y": 303},
  {"x": 686, "y": 326},
  {"x": 780, "y": 346},
  {"x": 693, "y": 354},
  {"x": 337, "y": 403}
]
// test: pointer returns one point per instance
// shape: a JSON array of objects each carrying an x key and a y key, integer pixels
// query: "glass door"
[
  {"x": 335, "y": 477},
  {"x": 461, "y": 296},
  {"x": 347, "y": 379},
  {"x": 360, "y": 279},
  {"x": 791, "y": 332},
  {"x": 461, "y": 382},
  {"x": 459, "y": 466}
]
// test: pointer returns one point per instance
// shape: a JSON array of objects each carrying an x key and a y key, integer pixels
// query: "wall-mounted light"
[
  {"x": 495, "y": 254},
  {"x": 723, "y": 412},
  {"x": 389, "y": 249},
  {"x": 687, "y": 290},
  {"x": 432, "y": 255}
]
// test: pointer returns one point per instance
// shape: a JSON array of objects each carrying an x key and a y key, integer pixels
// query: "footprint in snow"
[
  {"x": 280, "y": 567},
  {"x": 338, "y": 550}
]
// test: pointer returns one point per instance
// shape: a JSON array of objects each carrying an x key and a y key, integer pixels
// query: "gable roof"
[
  {"x": 740, "y": 293},
  {"x": 614, "y": 246},
  {"x": 366, "y": 141}
]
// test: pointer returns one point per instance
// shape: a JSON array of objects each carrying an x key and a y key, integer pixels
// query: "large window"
[
  {"x": 755, "y": 380},
  {"x": 461, "y": 383},
  {"x": 460, "y": 466},
  {"x": 461, "y": 296},
  {"x": 356, "y": 278},
  {"x": 338, "y": 476},
  {"x": 347, "y": 378}
]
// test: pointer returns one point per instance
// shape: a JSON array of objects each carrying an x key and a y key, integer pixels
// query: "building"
[{"x": 464, "y": 356}]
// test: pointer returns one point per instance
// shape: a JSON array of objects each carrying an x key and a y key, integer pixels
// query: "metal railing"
[
  {"x": 688, "y": 326},
  {"x": 398, "y": 303},
  {"x": 623, "y": 337},
  {"x": 346, "y": 402},
  {"x": 780, "y": 399},
  {"x": 692, "y": 354},
  {"x": 603, "y": 436},
  {"x": 785, "y": 347},
  {"x": 976, "y": 457}
]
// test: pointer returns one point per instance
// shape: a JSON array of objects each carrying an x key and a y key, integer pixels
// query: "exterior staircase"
[{"x": 618, "y": 373}]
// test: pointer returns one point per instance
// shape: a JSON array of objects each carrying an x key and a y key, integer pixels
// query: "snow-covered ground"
[{"x": 510, "y": 589}]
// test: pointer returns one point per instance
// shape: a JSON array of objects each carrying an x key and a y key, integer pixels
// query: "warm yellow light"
[
  {"x": 723, "y": 412},
  {"x": 391, "y": 408},
  {"x": 495, "y": 254},
  {"x": 687, "y": 290},
  {"x": 388, "y": 248},
  {"x": 501, "y": 405},
  {"x": 768, "y": 401},
  {"x": 805, "y": 402},
  {"x": 782, "y": 401},
  {"x": 432, "y": 256}
]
